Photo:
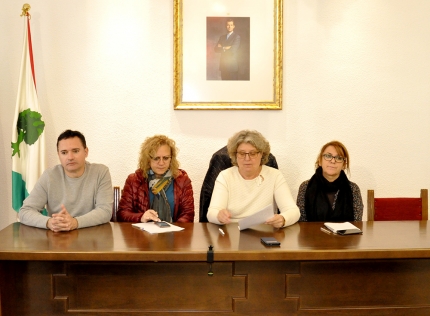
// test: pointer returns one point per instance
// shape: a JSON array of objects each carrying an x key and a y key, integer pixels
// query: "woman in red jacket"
[{"x": 158, "y": 190}]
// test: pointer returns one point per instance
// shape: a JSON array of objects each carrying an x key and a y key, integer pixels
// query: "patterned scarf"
[{"x": 158, "y": 187}]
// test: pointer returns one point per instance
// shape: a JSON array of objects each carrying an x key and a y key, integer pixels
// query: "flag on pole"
[{"x": 28, "y": 141}]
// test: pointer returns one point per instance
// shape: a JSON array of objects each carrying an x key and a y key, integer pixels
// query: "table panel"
[{"x": 118, "y": 269}]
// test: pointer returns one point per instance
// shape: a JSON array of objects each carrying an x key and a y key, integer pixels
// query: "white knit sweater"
[{"x": 245, "y": 197}]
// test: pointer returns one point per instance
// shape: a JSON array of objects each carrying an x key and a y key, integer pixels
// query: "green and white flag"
[{"x": 28, "y": 141}]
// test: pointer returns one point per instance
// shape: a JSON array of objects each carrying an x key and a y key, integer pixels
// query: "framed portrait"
[{"x": 227, "y": 54}]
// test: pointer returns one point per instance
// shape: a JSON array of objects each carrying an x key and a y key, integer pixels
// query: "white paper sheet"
[
  {"x": 258, "y": 218},
  {"x": 154, "y": 229}
]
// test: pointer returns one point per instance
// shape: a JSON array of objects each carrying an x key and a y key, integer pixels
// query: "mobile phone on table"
[
  {"x": 162, "y": 224},
  {"x": 270, "y": 241}
]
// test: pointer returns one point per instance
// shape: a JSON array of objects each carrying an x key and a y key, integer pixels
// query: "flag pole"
[{"x": 28, "y": 137}]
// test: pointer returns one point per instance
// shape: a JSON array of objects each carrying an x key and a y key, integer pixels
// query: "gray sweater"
[{"x": 88, "y": 198}]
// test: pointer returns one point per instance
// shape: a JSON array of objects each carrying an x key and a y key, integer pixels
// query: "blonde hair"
[
  {"x": 148, "y": 150},
  {"x": 250, "y": 137},
  {"x": 341, "y": 151}
]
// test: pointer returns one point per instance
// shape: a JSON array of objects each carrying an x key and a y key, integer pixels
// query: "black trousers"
[{"x": 228, "y": 75}]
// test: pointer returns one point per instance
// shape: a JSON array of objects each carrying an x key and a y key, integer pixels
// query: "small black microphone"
[{"x": 210, "y": 259}]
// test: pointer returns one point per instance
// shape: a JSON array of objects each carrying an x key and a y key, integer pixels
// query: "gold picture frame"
[{"x": 197, "y": 28}]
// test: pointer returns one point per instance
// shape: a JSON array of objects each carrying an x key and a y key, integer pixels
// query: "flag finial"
[{"x": 25, "y": 8}]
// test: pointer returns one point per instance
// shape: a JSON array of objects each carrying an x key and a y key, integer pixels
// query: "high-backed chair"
[
  {"x": 397, "y": 209},
  {"x": 116, "y": 198},
  {"x": 220, "y": 160}
]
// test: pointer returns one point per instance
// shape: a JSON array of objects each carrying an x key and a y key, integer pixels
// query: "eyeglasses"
[
  {"x": 251, "y": 154},
  {"x": 329, "y": 157},
  {"x": 157, "y": 159}
]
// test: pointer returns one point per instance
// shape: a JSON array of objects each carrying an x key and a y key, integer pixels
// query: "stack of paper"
[
  {"x": 154, "y": 229},
  {"x": 343, "y": 228}
]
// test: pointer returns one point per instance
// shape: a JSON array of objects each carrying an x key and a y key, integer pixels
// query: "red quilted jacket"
[{"x": 135, "y": 198}]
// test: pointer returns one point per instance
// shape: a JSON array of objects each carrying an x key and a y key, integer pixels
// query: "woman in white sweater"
[{"x": 250, "y": 186}]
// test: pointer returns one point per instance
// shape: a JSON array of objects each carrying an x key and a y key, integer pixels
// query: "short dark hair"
[{"x": 70, "y": 134}]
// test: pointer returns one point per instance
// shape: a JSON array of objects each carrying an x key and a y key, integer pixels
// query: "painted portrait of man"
[{"x": 227, "y": 48}]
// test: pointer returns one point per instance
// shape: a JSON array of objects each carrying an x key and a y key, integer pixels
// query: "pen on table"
[
  {"x": 325, "y": 231},
  {"x": 221, "y": 231}
]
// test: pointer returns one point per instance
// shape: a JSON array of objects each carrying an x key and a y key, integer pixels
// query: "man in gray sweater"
[{"x": 76, "y": 193}]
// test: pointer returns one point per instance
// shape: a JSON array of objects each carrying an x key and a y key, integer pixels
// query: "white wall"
[{"x": 356, "y": 71}]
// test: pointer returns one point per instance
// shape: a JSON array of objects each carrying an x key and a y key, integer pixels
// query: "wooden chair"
[
  {"x": 116, "y": 198},
  {"x": 397, "y": 209}
]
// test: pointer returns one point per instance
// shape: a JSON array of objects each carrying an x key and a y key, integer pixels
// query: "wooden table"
[{"x": 122, "y": 270}]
